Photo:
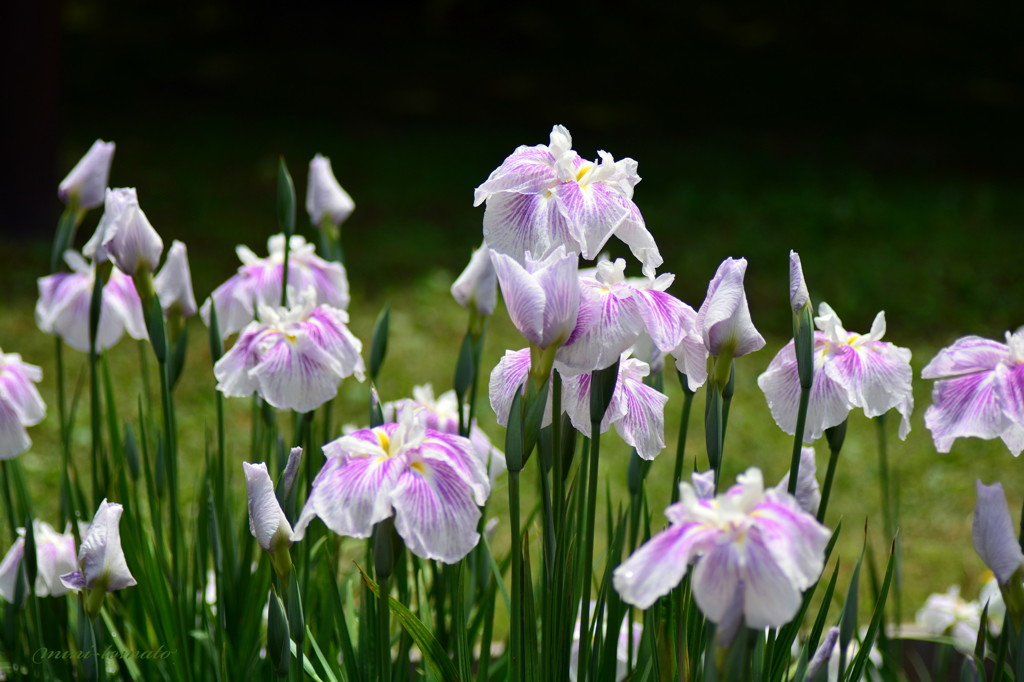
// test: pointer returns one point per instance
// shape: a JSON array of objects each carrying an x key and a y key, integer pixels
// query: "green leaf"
[
  {"x": 278, "y": 641},
  {"x": 602, "y": 386},
  {"x": 860, "y": 660},
  {"x": 433, "y": 653},
  {"x": 464, "y": 368},
  {"x": 379, "y": 344},
  {"x": 285, "y": 199},
  {"x": 848, "y": 624}
]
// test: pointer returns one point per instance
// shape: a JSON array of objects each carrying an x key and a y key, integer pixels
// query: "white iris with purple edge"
[
  {"x": 65, "y": 297},
  {"x": 613, "y": 314},
  {"x": 431, "y": 482},
  {"x": 755, "y": 551},
  {"x": 850, "y": 370},
  {"x": 294, "y": 358},
  {"x": 258, "y": 282},
  {"x": 20, "y": 403},
  {"x": 980, "y": 392},
  {"x": 547, "y": 196}
]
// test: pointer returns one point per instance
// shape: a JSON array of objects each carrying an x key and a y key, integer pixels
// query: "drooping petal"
[
  {"x": 964, "y": 407},
  {"x": 351, "y": 495},
  {"x": 14, "y": 438},
  {"x": 297, "y": 374},
  {"x": 517, "y": 224},
  {"x": 660, "y": 564},
  {"x": 643, "y": 424},
  {"x": 507, "y": 378},
  {"x": 876, "y": 375},
  {"x": 593, "y": 213},
  {"x": 770, "y": 596},
  {"x": 633, "y": 232},
  {"x": 993, "y": 533},
  {"x": 435, "y": 513},
  {"x": 666, "y": 319}
]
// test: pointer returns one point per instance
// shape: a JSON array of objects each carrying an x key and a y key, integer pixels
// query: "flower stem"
[
  {"x": 798, "y": 438},
  {"x": 684, "y": 422},
  {"x": 588, "y": 552},
  {"x": 516, "y": 632},
  {"x": 835, "y": 436}
]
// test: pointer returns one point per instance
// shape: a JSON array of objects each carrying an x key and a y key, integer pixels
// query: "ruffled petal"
[
  {"x": 876, "y": 375},
  {"x": 527, "y": 170},
  {"x": 643, "y": 424},
  {"x": 351, "y": 495},
  {"x": 965, "y": 407},
  {"x": 506, "y": 378},
  {"x": 967, "y": 355},
  {"x": 515, "y": 224},
  {"x": 435, "y": 513},
  {"x": 297, "y": 375},
  {"x": 593, "y": 213},
  {"x": 660, "y": 564},
  {"x": 606, "y": 326}
]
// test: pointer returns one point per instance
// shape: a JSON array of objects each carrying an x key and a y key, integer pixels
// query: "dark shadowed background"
[{"x": 882, "y": 143}]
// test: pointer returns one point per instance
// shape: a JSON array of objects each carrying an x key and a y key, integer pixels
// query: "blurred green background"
[{"x": 881, "y": 144}]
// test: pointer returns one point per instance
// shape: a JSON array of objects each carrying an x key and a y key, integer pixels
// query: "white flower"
[
  {"x": 85, "y": 184},
  {"x": 325, "y": 199}
]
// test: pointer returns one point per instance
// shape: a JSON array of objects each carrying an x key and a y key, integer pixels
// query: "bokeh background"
[{"x": 883, "y": 143}]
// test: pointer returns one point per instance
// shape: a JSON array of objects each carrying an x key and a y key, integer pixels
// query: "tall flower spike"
[
  {"x": 431, "y": 482},
  {"x": 293, "y": 357},
  {"x": 542, "y": 296},
  {"x": 101, "y": 564},
  {"x": 258, "y": 282},
  {"x": 850, "y": 370},
  {"x": 125, "y": 234},
  {"x": 547, "y": 196},
  {"x": 636, "y": 409},
  {"x": 758, "y": 552},
  {"x": 21, "y": 405},
  {"x": 980, "y": 392},
  {"x": 477, "y": 287},
  {"x": 64, "y": 300},
  {"x": 85, "y": 184},
  {"x": 325, "y": 198},
  {"x": 267, "y": 521},
  {"x": 174, "y": 281},
  {"x": 614, "y": 313}
]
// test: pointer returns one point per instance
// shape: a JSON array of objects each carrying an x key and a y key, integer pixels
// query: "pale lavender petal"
[
  {"x": 297, "y": 374},
  {"x": 435, "y": 513},
  {"x": 524, "y": 297},
  {"x": 692, "y": 359},
  {"x": 232, "y": 371},
  {"x": 100, "y": 557},
  {"x": 770, "y": 596},
  {"x": 1009, "y": 385},
  {"x": 660, "y": 564},
  {"x": 633, "y": 232},
  {"x": 14, "y": 438},
  {"x": 993, "y": 533},
  {"x": 876, "y": 375},
  {"x": 515, "y": 224},
  {"x": 56, "y": 557},
  {"x": 459, "y": 454},
  {"x": 793, "y": 537},
  {"x": 17, "y": 387},
  {"x": 477, "y": 287},
  {"x": 9, "y": 570},
  {"x": 557, "y": 276},
  {"x": 607, "y": 325},
  {"x": 121, "y": 300},
  {"x": 73, "y": 581},
  {"x": 593, "y": 213},
  {"x": 234, "y": 302},
  {"x": 126, "y": 235},
  {"x": 88, "y": 179},
  {"x": 704, "y": 484},
  {"x": 173, "y": 283},
  {"x": 828, "y": 405},
  {"x": 808, "y": 494},
  {"x": 964, "y": 407},
  {"x": 724, "y": 317},
  {"x": 528, "y": 170},
  {"x": 967, "y": 355},
  {"x": 352, "y": 495},
  {"x": 666, "y": 318},
  {"x": 643, "y": 424},
  {"x": 324, "y": 195},
  {"x": 266, "y": 518},
  {"x": 507, "y": 377},
  {"x": 717, "y": 581},
  {"x": 798, "y": 294}
]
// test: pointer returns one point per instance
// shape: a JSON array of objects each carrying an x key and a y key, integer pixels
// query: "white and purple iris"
[
  {"x": 614, "y": 314},
  {"x": 755, "y": 551},
  {"x": 65, "y": 297},
  {"x": 21, "y": 405},
  {"x": 433, "y": 484},
  {"x": 258, "y": 282},
  {"x": 722, "y": 327},
  {"x": 294, "y": 358},
  {"x": 850, "y": 370},
  {"x": 542, "y": 295},
  {"x": 980, "y": 392},
  {"x": 442, "y": 414},
  {"x": 101, "y": 563},
  {"x": 55, "y": 556},
  {"x": 124, "y": 234},
  {"x": 547, "y": 196},
  {"x": 636, "y": 410}
]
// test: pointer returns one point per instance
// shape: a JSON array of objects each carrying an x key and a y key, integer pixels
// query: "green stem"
[
  {"x": 557, "y": 475},
  {"x": 836, "y": 435},
  {"x": 383, "y": 562},
  {"x": 798, "y": 438},
  {"x": 588, "y": 552},
  {"x": 684, "y": 423},
  {"x": 516, "y": 632}
]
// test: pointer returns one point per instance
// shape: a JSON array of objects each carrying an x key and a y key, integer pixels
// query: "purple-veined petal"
[
  {"x": 1009, "y": 386},
  {"x": 770, "y": 598},
  {"x": 666, "y": 318},
  {"x": 792, "y": 536},
  {"x": 966, "y": 355},
  {"x": 435, "y": 513},
  {"x": 692, "y": 359},
  {"x": 703, "y": 484},
  {"x": 528, "y": 170},
  {"x": 828, "y": 405},
  {"x": 351, "y": 495},
  {"x": 517, "y": 224},
  {"x": 507, "y": 377},
  {"x": 643, "y": 424},
  {"x": 297, "y": 374},
  {"x": 524, "y": 297},
  {"x": 607, "y": 325},
  {"x": 633, "y": 232},
  {"x": 724, "y": 317},
  {"x": 993, "y": 533},
  {"x": 232, "y": 370},
  {"x": 876, "y": 375},
  {"x": 964, "y": 407},
  {"x": 592, "y": 212},
  {"x": 660, "y": 564},
  {"x": 460, "y": 455}
]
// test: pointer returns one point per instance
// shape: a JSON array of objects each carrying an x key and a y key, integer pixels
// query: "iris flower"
[
  {"x": 431, "y": 482},
  {"x": 325, "y": 198},
  {"x": 258, "y": 282},
  {"x": 85, "y": 184},
  {"x": 293, "y": 357},
  {"x": 20, "y": 403},
  {"x": 125, "y": 235},
  {"x": 980, "y": 392},
  {"x": 754, "y": 552},
  {"x": 542, "y": 295},
  {"x": 547, "y": 196},
  {"x": 174, "y": 282},
  {"x": 850, "y": 370},
  {"x": 65, "y": 297},
  {"x": 55, "y": 556},
  {"x": 101, "y": 563}
]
